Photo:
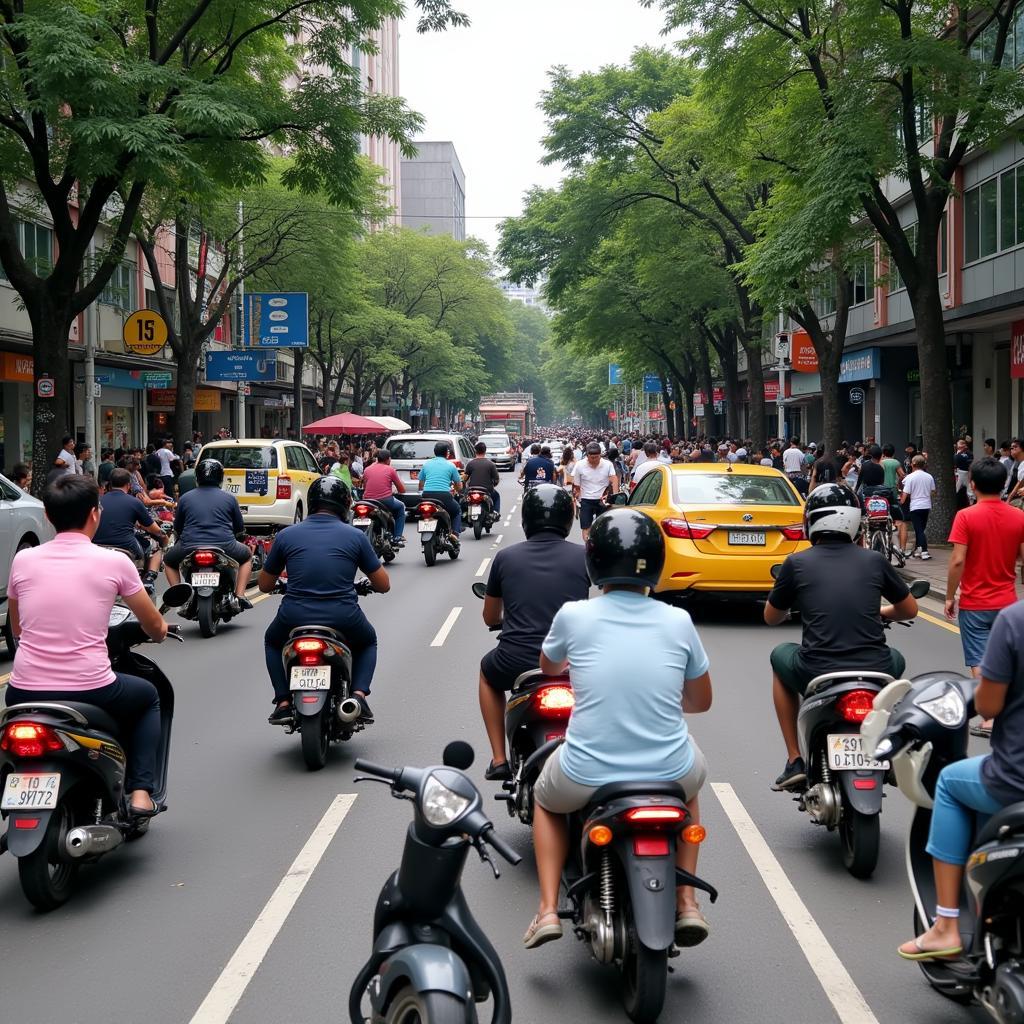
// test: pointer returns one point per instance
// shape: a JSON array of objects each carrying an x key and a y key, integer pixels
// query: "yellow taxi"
[
  {"x": 725, "y": 525},
  {"x": 270, "y": 479}
]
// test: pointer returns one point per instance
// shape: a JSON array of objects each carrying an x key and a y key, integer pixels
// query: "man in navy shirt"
[
  {"x": 210, "y": 517},
  {"x": 120, "y": 516},
  {"x": 538, "y": 469},
  {"x": 321, "y": 556}
]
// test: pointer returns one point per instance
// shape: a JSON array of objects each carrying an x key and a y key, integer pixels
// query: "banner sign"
[
  {"x": 1017, "y": 349},
  {"x": 865, "y": 365},
  {"x": 240, "y": 366},
  {"x": 614, "y": 374},
  {"x": 276, "y": 320},
  {"x": 802, "y": 355}
]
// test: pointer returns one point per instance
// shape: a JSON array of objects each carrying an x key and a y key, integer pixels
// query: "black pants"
[{"x": 919, "y": 518}]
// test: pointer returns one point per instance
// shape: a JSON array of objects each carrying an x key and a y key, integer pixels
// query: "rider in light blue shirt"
[{"x": 436, "y": 479}]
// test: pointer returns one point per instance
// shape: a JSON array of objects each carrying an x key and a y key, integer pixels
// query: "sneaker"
[
  {"x": 924, "y": 556},
  {"x": 915, "y": 553},
  {"x": 792, "y": 776},
  {"x": 240, "y": 604},
  {"x": 281, "y": 715}
]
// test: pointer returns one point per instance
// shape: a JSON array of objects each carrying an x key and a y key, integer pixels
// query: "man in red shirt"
[
  {"x": 377, "y": 480},
  {"x": 987, "y": 539}
]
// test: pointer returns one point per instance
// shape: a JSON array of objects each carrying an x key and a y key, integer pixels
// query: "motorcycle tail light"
[
  {"x": 204, "y": 558},
  {"x": 651, "y": 846},
  {"x": 26, "y": 823},
  {"x": 362, "y": 510},
  {"x": 855, "y": 705},
  {"x": 30, "y": 739},
  {"x": 684, "y": 530},
  {"x": 310, "y": 651},
  {"x": 426, "y": 510},
  {"x": 694, "y": 834},
  {"x": 284, "y": 488},
  {"x": 793, "y": 532},
  {"x": 655, "y": 815},
  {"x": 476, "y": 498},
  {"x": 554, "y": 701}
]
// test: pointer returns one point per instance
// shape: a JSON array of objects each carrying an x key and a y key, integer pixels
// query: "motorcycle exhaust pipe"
[
  {"x": 92, "y": 840},
  {"x": 349, "y": 710}
]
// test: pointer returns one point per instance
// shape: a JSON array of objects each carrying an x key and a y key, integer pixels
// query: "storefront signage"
[
  {"x": 156, "y": 378},
  {"x": 771, "y": 390},
  {"x": 144, "y": 333},
  {"x": 1017, "y": 349},
  {"x": 206, "y": 399},
  {"x": 15, "y": 367},
  {"x": 856, "y": 396},
  {"x": 276, "y": 320},
  {"x": 865, "y": 365},
  {"x": 240, "y": 366},
  {"x": 802, "y": 355}
]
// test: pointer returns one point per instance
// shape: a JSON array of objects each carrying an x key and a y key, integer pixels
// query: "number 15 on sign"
[{"x": 145, "y": 333}]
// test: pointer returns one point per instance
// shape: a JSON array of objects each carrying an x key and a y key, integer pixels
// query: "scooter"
[
  {"x": 478, "y": 510},
  {"x": 435, "y": 530},
  {"x": 212, "y": 575},
  {"x": 922, "y": 725},
  {"x": 537, "y": 712},
  {"x": 431, "y": 962},
  {"x": 375, "y": 520},
  {"x": 319, "y": 668},
  {"x": 62, "y": 772}
]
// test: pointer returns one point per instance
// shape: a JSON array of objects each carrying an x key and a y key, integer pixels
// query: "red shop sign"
[{"x": 1017, "y": 349}]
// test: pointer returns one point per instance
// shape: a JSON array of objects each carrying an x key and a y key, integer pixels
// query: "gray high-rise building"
[{"x": 434, "y": 191}]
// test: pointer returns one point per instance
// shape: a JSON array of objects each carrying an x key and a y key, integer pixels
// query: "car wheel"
[{"x": 298, "y": 513}]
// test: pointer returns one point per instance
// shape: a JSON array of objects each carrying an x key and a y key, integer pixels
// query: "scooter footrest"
[{"x": 507, "y": 797}]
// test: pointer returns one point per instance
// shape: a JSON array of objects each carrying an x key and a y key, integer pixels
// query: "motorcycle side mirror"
[
  {"x": 178, "y": 595},
  {"x": 458, "y": 754},
  {"x": 776, "y": 569},
  {"x": 480, "y": 590},
  {"x": 919, "y": 588}
]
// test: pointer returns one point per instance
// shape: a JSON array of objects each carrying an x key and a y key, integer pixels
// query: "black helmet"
[
  {"x": 441, "y": 449},
  {"x": 832, "y": 510},
  {"x": 612, "y": 454},
  {"x": 547, "y": 507},
  {"x": 329, "y": 494},
  {"x": 209, "y": 473},
  {"x": 625, "y": 546}
]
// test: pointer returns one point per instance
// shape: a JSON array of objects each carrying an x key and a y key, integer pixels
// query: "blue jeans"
[
  {"x": 397, "y": 509},
  {"x": 975, "y": 627},
  {"x": 451, "y": 506},
  {"x": 958, "y": 793}
]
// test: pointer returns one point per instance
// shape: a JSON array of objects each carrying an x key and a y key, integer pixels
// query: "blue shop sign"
[
  {"x": 652, "y": 384},
  {"x": 238, "y": 365},
  {"x": 132, "y": 380},
  {"x": 863, "y": 365},
  {"x": 276, "y": 320}
]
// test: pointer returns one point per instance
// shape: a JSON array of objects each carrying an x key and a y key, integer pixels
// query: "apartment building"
[{"x": 434, "y": 191}]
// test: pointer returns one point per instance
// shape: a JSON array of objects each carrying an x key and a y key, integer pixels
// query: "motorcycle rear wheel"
[
  {"x": 644, "y": 979},
  {"x": 430, "y": 552},
  {"x": 316, "y": 739},
  {"x": 207, "y": 613},
  {"x": 478, "y": 529},
  {"x": 46, "y": 880},
  {"x": 860, "y": 835},
  {"x": 412, "y": 1007}
]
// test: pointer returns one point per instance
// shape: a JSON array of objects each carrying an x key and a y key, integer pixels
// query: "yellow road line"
[{"x": 939, "y": 622}]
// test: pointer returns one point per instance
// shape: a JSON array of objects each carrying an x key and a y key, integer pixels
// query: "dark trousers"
[
  {"x": 496, "y": 499},
  {"x": 919, "y": 518},
  {"x": 451, "y": 507},
  {"x": 397, "y": 509},
  {"x": 133, "y": 703},
  {"x": 360, "y": 637}
]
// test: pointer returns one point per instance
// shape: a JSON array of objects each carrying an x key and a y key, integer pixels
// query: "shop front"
[
  {"x": 16, "y": 391},
  {"x": 207, "y": 412}
]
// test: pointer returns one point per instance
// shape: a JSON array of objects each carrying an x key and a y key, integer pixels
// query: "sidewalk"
[{"x": 934, "y": 571}]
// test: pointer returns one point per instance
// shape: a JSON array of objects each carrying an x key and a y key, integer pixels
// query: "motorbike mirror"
[
  {"x": 480, "y": 590},
  {"x": 176, "y": 596},
  {"x": 776, "y": 569},
  {"x": 919, "y": 588},
  {"x": 458, "y": 754}
]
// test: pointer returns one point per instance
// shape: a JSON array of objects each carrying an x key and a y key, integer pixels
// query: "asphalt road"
[{"x": 150, "y": 930}]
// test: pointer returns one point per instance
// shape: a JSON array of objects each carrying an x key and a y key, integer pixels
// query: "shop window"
[
  {"x": 863, "y": 275},
  {"x": 994, "y": 215},
  {"x": 36, "y": 246},
  {"x": 120, "y": 289},
  {"x": 896, "y": 281}
]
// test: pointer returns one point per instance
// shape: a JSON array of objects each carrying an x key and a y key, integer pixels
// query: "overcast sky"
[{"x": 478, "y": 87}]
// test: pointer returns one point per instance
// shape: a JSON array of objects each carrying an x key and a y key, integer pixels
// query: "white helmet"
[{"x": 832, "y": 509}]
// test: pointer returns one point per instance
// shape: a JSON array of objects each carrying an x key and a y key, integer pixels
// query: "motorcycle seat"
[
  {"x": 97, "y": 718},
  {"x": 615, "y": 790},
  {"x": 218, "y": 551},
  {"x": 324, "y": 631},
  {"x": 535, "y": 675},
  {"x": 372, "y": 502},
  {"x": 1009, "y": 818},
  {"x": 875, "y": 680}
]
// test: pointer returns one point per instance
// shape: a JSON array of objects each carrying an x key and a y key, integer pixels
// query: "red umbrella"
[{"x": 344, "y": 423}]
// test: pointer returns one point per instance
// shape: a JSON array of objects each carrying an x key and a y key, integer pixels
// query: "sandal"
[
  {"x": 537, "y": 934},
  {"x": 953, "y": 953},
  {"x": 691, "y": 928}
]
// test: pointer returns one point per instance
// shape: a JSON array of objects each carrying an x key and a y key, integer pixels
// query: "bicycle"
[{"x": 879, "y": 530}]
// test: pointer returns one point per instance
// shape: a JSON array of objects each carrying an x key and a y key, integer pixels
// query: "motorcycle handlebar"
[
  {"x": 490, "y": 837},
  {"x": 391, "y": 774}
]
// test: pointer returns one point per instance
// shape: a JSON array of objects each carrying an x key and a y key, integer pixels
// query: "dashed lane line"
[
  {"x": 497, "y": 540},
  {"x": 228, "y": 989},
  {"x": 483, "y": 567},
  {"x": 446, "y": 628},
  {"x": 850, "y": 1006}
]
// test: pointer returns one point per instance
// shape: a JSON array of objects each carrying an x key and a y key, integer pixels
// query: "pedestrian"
[
  {"x": 1008, "y": 464},
  {"x": 1015, "y": 496},
  {"x": 106, "y": 467},
  {"x": 962, "y": 459},
  {"x": 65, "y": 460},
  {"x": 83, "y": 459},
  {"x": 21, "y": 476},
  {"x": 164, "y": 456},
  {"x": 918, "y": 493}
]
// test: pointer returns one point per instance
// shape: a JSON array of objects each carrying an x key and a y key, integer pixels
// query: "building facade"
[{"x": 433, "y": 188}]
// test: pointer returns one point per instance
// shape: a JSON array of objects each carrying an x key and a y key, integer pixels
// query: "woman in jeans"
[{"x": 918, "y": 493}]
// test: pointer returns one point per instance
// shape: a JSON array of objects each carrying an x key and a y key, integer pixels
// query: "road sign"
[
  {"x": 241, "y": 366},
  {"x": 145, "y": 333},
  {"x": 614, "y": 374},
  {"x": 276, "y": 320},
  {"x": 652, "y": 384},
  {"x": 45, "y": 387}
]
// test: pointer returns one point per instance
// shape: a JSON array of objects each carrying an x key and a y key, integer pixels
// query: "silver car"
[{"x": 499, "y": 450}]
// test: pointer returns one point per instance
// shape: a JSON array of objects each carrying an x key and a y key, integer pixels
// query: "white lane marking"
[
  {"x": 512, "y": 509},
  {"x": 446, "y": 628},
  {"x": 228, "y": 989},
  {"x": 844, "y": 995},
  {"x": 497, "y": 540},
  {"x": 483, "y": 567}
]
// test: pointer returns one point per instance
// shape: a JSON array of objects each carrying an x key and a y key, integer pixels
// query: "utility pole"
[{"x": 90, "y": 324}]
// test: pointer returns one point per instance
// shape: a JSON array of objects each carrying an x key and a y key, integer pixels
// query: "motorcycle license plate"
[
  {"x": 427, "y": 525},
  {"x": 846, "y": 754},
  {"x": 24, "y": 791},
  {"x": 474, "y": 511},
  {"x": 746, "y": 538},
  {"x": 362, "y": 521},
  {"x": 205, "y": 579},
  {"x": 310, "y": 677}
]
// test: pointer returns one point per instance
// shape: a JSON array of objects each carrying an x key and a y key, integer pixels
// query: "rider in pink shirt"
[{"x": 378, "y": 478}]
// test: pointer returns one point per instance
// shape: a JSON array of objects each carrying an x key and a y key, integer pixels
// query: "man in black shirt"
[
  {"x": 528, "y": 583},
  {"x": 837, "y": 586},
  {"x": 121, "y": 515},
  {"x": 481, "y": 472}
]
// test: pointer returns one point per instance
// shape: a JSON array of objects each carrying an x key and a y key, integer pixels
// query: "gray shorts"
[{"x": 559, "y": 794}]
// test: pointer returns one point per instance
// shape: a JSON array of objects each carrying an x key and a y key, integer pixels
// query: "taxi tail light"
[
  {"x": 284, "y": 488},
  {"x": 426, "y": 510},
  {"x": 204, "y": 558},
  {"x": 685, "y": 530},
  {"x": 855, "y": 705},
  {"x": 793, "y": 532},
  {"x": 362, "y": 510},
  {"x": 554, "y": 701},
  {"x": 310, "y": 652},
  {"x": 30, "y": 739}
]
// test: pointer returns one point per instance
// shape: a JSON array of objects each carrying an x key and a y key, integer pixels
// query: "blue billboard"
[
  {"x": 244, "y": 366},
  {"x": 652, "y": 384},
  {"x": 276, "y": 320},
  {"x": 863, "y": 365},
  {"x": 614, "y": 373}
]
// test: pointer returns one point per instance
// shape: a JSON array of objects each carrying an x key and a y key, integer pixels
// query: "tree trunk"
[
  {"x": 707, "y": 386},
  {"x": 357, "y": 388},
  {"x": 51, "y": 321},
  {"x": 731, "y": 378},
  {"x": 755, "y": 374},
  {"x": 185, "y": 400},
  {"x": 670, "y": 420}
]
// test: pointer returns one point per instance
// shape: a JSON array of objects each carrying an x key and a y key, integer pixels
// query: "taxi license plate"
[
  {"x": 233, "y": 488},
  {"x": 745, "y": 537},
  {"x": 427, "y": 525},
  {"x": 362, "y": 521},
  {"x": 25, "y": 791},
  {"x": 474, "y": 511},
  {"x": 205, "y": 579},
  {"x": 310, "y": 677},
  {"x": 846, "y": 754}
]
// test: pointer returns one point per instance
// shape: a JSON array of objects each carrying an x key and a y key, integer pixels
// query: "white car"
[
  {"x": 500, "y": 449},
  {"x": 410, "y": 451}
]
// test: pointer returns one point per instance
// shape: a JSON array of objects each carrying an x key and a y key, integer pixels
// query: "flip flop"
[
  {"x": 691, "y": 929},
  {"x": 953, "y": 953},
  {"x": 537, "y": 934}
]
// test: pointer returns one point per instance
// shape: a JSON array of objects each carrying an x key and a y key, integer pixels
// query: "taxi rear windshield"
[
  {"x": 413, "y": 449},
  {"x": 731, "y": 489},
  {"x": 243, "y": 457}
]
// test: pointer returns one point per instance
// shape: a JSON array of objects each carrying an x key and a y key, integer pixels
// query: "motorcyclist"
[
  {"x": 482, "y": 472},
  {"x": 527, "y": 584},
  {"x": 621, "y": 730},
  {"x": 437, "y": 478},
  {"x": 210, "y": 517},
  {"x": 872, "y": 482},
  {"x": 537, "y": 469},
  {"x": 837, "y": 586},
  {"x": 321, "y": 556},
  {"x": 121, "y": 517}
]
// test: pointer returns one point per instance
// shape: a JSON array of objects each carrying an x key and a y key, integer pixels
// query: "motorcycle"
[
  {"x": 435, "y": 530},
  {"x": 375, "y": 520},
  {"x": 879, "y": 526},
  {"x": 536, "y": 714},
  {"x": 62, "y": 772},
  {"x": 922, "y": 725},
  {"x": 211, "y": 574},
  {"x": 478, "y": 509},
  {"x": 431, "y": 962},
  {"x": 843, "y": 791},
  {"x": 319, "y": 668}
]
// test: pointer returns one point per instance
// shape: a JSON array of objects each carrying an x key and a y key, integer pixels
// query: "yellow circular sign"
[{"x": 145, "y": 332}]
